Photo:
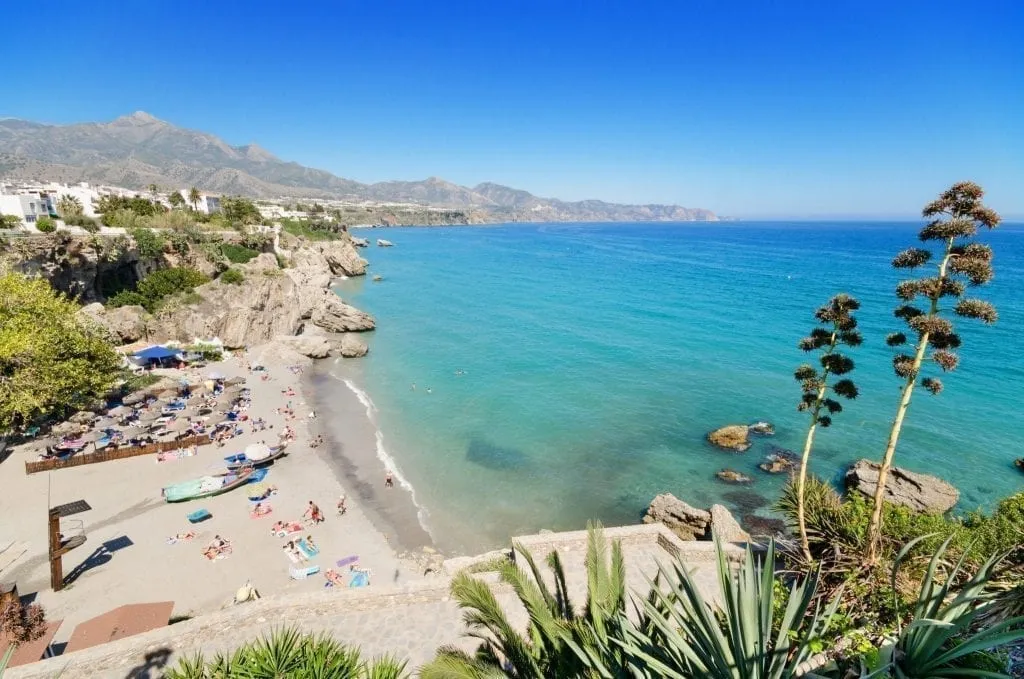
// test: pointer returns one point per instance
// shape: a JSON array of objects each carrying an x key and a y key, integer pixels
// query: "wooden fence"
[{"x": 80, "y": 459}]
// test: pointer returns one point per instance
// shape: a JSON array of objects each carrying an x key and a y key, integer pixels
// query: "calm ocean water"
[{"x": 568, "y": 372}]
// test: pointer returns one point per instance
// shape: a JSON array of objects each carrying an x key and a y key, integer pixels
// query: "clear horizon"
[{"x": 811, "y": 111}]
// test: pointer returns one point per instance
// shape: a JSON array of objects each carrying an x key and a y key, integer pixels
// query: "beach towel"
[
  {"x": 303, "y": 573},
  {"x": 268, "y": 510},
  {"x": 347, "y": 560},
  {"x": 308, "y": 551},
  {"x": 359, "y": 579},
  {"x": 291, "y": 556},
  {"x": 289, "y": 529}
]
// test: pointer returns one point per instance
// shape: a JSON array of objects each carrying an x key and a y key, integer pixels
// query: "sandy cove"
[{"x": 127, "y": 559}]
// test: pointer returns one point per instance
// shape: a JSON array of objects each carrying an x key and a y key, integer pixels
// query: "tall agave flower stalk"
[
  {"x": 955, "y": 217},
  {"x": 837, "y": 328}
]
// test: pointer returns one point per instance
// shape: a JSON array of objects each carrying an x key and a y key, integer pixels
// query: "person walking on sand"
[
  {"x": 389, "y": 480},
  {"x": 313, "y": 512},
  {"x": 341, "y": 505}
]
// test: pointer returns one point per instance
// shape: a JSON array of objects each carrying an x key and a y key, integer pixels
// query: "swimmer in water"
[
  {"x": 428, "y": 390},
  {"x": 414, "y": 386}
]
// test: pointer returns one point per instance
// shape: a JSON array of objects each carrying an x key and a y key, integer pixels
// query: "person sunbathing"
[
  {"x": 334, "y": 578},
  {"x": 277, "y": 527},
  {"x": 310, "y": 543},
  {"x": 261, "y": 510},
  {"x": 292, "y": 550}
]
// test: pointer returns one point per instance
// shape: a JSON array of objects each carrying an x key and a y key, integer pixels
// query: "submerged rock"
[
  {"x": 920, "y": 492},
  {"x": 731, "y": 437},
  {"x": 780, "y": 461},
  {"x": 689, "y": 523},
  {"x": 381, "y": 243},
  {"x": 763, "y": 526},
  {"x": 733, "y": 476},
  {"x": 762, "y": 428},
  {"x": 1020, "y": 463}
]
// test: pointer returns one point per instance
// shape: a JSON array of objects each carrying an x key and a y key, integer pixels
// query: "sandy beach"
[{"x": 127, "y": 557}]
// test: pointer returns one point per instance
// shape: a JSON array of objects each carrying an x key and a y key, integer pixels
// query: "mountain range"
[{"x": 137, "y": 150}]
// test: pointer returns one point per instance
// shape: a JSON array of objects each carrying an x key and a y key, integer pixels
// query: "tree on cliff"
[
  {"x": 837, "y": 328},
  {"x": 955, "y": 216},
  {"x": 49, "y": 362}
]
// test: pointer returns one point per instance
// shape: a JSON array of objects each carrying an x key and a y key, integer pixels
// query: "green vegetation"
[
  {"x": 176, "y": 200},
  {"x": 133, "y": 383},
  {"x": 194, "y": 196},
  {"x": 238, "y": 254},
  {"x": 240, "y": 210},
  {"x": 232, "y": 277},
  {"x": 49, "y": 362},
  {"x": 68, "y": 206},
  {"x": 10, "y": 221},
  {"x": 87, "y": 223},
  {"x": 310, "y": 230},
  {"x": 289, "y": 653},
  {"x": 154, "y": 289},
  {"x": 837, "y": 328},
  {"x": 46, "y": 225},
  {"x": 955, "y": 217},
  {"x": 149, "y": 243}
]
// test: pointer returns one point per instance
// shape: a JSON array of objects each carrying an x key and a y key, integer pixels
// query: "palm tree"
[
  {"x": 955, "y": 218},
  {"x": 176, "y": 199},
  {"x": 194, "y": 197},
  {"x": 69, "y": 206},
  {"x": 289, "y": 653},
  {"x": 560, "y": 641},
  {"x": 838, "y": 328}
]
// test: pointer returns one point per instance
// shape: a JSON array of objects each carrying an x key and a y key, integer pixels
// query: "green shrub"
[
  {"x": 232, "y": 276},
  {"x": 125, "y": 219},
  {"x": 87, "y": 223},
  {"x": 238, "y": 254},
  {"x": 169, "y": 281},
  {"x": 46, "y": 225},
  {"x": 149, "y": 243},
  {"x": 126, "y": 298}
]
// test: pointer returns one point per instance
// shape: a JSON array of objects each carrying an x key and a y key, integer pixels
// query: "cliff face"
[
  {"x": 272, "y": 303},
  {"x": 89, "y": 269}
]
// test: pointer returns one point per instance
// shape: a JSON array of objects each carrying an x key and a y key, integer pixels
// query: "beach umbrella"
[
  {"x": 168, "y": 394},
  {"x": 150, "y": 415},
  {"x": 258, "y": 491},
  {"x": 91, "y": 436},
  {"x": 235, "y": 381},
  {"x": 67, "y": 428},
  {"x": 82, "y": 417},
  {"x": 215, "y": 375},
  {"x": 119, "y": 411},
  {"x": 257, "y": 451},
  {"x": 179, "y": 424},
  {"x": 132, "y": 399}
]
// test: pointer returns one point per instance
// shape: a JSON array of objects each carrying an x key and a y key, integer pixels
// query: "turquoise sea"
[{"x": 568, "y": 372}]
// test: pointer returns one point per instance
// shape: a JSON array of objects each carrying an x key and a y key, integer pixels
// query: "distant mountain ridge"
[{"x": 139, "y": 149}]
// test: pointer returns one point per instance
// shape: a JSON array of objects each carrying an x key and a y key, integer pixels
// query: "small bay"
[{"x": 537, "y": 376}]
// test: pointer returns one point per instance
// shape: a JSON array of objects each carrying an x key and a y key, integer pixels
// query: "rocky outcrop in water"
[
  {"x": 352, "y": 347},
  {"x": 735, "y": 437},
  {"x": 733, "y": 476},
  {"x": 780, "y": 461},
  {"x": 690, "y": 523},
  {"x": 920, "y": 492}
]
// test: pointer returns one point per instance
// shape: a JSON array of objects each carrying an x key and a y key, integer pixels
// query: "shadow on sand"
[{"x": 101, "y": 555}]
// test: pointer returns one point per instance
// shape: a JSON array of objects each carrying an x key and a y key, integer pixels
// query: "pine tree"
[
  {"x": 955, "y": 218},
  {"x": 837, "y": 328}
]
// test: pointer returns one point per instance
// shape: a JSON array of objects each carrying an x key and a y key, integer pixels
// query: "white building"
[
  {"x": 27, "y": 206},
  {"x": 86, "y": 195}
]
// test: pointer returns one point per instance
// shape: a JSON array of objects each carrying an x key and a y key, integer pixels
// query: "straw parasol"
[
  {"x": 105, "y": 423},
  {"x": 67, "y": 428},
  {"x": 234, "y": 381},
  {"x": 168, "y": 394},
  {"x": 119, "y": 411},
  {"x": 179, "y": 424},
  {"x": 137, "y": 397},
  {"x": 82, "y": 417}
]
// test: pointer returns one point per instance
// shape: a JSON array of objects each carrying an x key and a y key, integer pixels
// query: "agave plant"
[
  {"x": 681, "y": 634},
  {"x": 289, "y": 653},
  {"x": 943, "y": 632},
  {"x": 560, "y": 641}
]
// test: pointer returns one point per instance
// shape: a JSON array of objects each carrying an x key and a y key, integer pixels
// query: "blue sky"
[{"x": 759, "y": 109}]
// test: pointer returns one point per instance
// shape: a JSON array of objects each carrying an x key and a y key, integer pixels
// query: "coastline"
[{"x": 353, "y": 453}]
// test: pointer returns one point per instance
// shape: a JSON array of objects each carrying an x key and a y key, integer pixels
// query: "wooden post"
[{"x": 56, "y": 555}]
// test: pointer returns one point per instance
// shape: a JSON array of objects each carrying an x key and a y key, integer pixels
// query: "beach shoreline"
[{"x": 353, "y": 451}]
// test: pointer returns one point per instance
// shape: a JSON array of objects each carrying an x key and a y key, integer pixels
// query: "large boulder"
[
  {"x": 334, "y": 315},
  {"x": 726, "y": 527},
  {"x": 733, "y": 476},
  {"x": 689, "y": 523},
  {"x": 352, "y": 347},
  {"x": 123, "y": 325},
  {"x": 735, "y": 437},
  {"x": 920, "y": 492},
  {"x": 312, "y": 346}
]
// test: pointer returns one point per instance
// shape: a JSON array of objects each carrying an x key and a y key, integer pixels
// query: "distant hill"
[{"x": 139, "y": 149}]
